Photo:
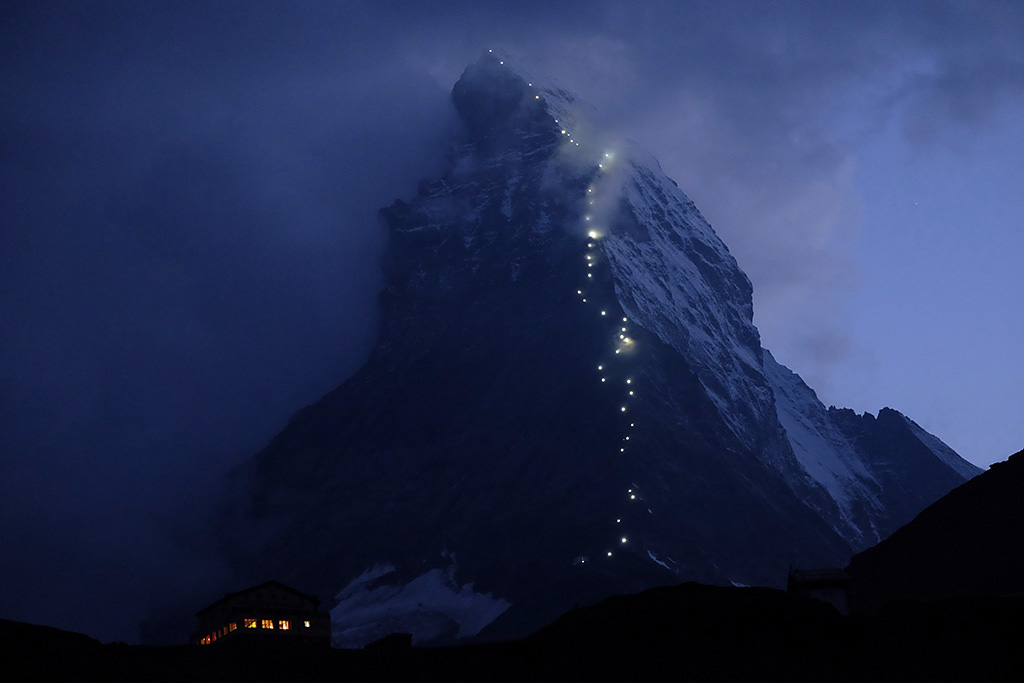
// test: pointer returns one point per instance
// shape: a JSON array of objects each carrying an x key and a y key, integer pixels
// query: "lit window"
[
  {"x": 284, "y": 624},
  {"x": 232, "y": 626},
  {"x": 305, "y": 624},
  {"x": 267, "y": 623},
  {"x": 250, "y": 623}
]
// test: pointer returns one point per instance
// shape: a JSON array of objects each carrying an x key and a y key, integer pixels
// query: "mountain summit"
[{"x": 568, "y": 399}]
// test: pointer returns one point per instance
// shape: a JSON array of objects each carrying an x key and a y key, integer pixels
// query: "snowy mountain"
[{"x": 568, "y": 399}]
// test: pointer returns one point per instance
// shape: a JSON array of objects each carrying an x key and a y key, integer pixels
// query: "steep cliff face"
[{"x": 568, "y": 399}]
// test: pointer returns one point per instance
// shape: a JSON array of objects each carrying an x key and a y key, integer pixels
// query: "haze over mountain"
[{"x": 568, "y": 399}]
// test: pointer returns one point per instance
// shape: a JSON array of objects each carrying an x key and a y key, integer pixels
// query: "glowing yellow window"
[
  {"x": 305, "y": 624},
  {"x": 250, "y": 623},
  {"x": 232, "y": 626},
  {"x": 268, "y": 623},
  {"x": 284, "y": 624}
]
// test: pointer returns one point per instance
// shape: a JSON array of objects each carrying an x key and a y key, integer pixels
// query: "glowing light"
[
  {"x": 623, "y": 320},
  {"x": 590, "y": 265},
  {"x": 592, "y": 235},
  {"x": 590, "y": 275},
  {"x": 609, "y": 553},
  {"x": 490, "y": 50},
  {"x": 536, "y": 97},
  {"x": 607, "y": 155},
  {"x": 633, "y": 497},
  {"x": 590, "y": 189},
  {"x": 600, "y": 367},
  {"x": 584, "y": 301},
  {"x": 627, "y": 438},
  {"x": 589, "y": 257},
  {"x": 501, "y": 62},
  {"x": 622, "y": 336},
  {"x": 616, "y": 350},
  {"x": 629, "y": 381},
  {"x": 618, "y": 521},
  {"x": 622, "y": 450},
  {"x": 563, "y": 132},
  {"x": 623, "y": 329},
  {"x": 623, "y": 408},
  {"x": 579, "y": 291},
  {"x": 603, "y": 313},
  {"x": 590, "y": 244},
  {"x": 600, "y": 165},
  {"x": 623, "y": 539},
  {"x": 631, "y": 393},
  {"x": 630, "y": 424},
  {"x": 602, "y": 379}
]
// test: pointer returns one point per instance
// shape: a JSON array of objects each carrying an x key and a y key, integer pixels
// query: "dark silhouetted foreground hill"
[
  {"x": 690, "y": 632},
  {"x": 970, "y": 543}
]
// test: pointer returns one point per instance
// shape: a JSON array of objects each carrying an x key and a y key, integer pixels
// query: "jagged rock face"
[{"x": 568, "y": 399}]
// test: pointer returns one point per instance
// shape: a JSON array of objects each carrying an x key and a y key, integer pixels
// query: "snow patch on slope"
[
  {"x": 677, "y": 279},
  {"x": 431, "y": 606},
  {"x": 821, "y": 449}
]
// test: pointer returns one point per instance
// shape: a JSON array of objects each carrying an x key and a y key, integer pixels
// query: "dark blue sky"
[{"x": 189, "y": 247}]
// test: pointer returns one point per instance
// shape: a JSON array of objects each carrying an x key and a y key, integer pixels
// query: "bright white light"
[
  {"x": 616, "y": 350},
  {"x": 590, "y": 265},
  {"x": 631, "y": 393},
  {"x": 623, "y": 539},
  {"x": 563, "y": 132},
  {"x": 600, "y": 165},
  {"x": 630, "y": 424},
  {"x": 501, "y": 62},
  {"x": 590, "y": 244},
  {"x": 623, "y": 329},
  {"x": 588, "y": 218},
  {"x": 536, "y": 97},
  {"x": 609, "y": 553},
  {"x": 600, "y": 367},
  {"x": 632, "y": 497},
  {"x": 490, "y": 50},
  {"x": 618, "y": 521},
  {"x": 627, "y": 438},
  {"x": 622, "y": 450},
  {"x": 584, "y": 301},
  {"x": 579, "y": 291},
  {"x": 590, "y": 257},
  {"x": 607, "y": 155},
  {"x": 602, "y": 379},
  {"x": 623, "y": 320},
  {"x": 622, "y": 336},
  {"x": 603, "y": 313},
  {"x": 629, "y": 491},
  {"x": 590, "y": 275},
  {"x": 592, "y": 235},
  {"x": 590, "y": 189},
  {"x": 629, "y": 381},
  {"x": 623, "y": 408}
]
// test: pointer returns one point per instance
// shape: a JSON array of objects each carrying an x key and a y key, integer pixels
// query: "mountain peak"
[{"x": 568, "y": 395}]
